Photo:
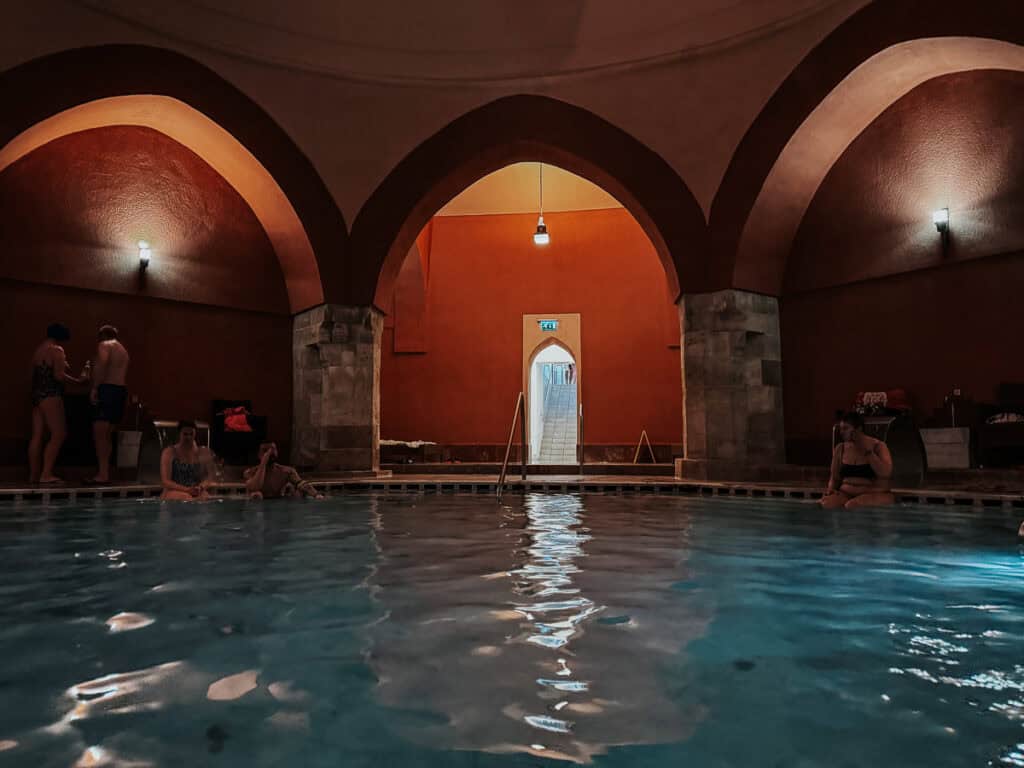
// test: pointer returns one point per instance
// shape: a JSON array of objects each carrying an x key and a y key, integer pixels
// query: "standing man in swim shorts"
[{"x": 108, "y": 396}]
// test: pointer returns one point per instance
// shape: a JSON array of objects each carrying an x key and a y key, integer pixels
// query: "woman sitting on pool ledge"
[
  {"x": 861, "y": 468},
  {"x": 184, "y": 467}
]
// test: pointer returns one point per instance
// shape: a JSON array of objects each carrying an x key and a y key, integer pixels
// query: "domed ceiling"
[{"x": 461, "y": 40}]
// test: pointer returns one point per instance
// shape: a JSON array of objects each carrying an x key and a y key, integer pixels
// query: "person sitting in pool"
[
  {"x": 184, "y": 467},
  {"x": 271, "y": 480},
  {"x": 861, "y": 468}
]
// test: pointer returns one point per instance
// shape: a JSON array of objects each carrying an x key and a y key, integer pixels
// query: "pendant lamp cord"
[{"x": 541, "y": 188}]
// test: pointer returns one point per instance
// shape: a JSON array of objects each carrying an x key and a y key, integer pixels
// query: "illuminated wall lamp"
[{"x": 144, "y": 254}]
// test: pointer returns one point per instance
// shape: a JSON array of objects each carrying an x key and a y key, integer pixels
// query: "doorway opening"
[{"x": 552, "y": 396}]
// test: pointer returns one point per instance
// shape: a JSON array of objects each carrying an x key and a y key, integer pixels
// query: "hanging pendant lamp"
[{"x": 541, "y": 236}]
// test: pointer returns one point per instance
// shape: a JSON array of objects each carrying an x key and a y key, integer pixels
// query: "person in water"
[
  {"x": 49, "y": 375},
  {"x": 185, "y": 467},
  {"x": 108, "y": 395},
  {"x": 271, "y": 480},
  {"x": 861, "y": 468}
]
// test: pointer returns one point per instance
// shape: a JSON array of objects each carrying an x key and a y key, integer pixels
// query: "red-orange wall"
[
  {"x": 208, "y": 319},
  {"x": 485, "y": 273},
  {"x": 873, "y": 301}
]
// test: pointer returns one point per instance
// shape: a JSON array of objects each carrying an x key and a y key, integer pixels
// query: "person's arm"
[
  {"x": 165, "y": 474},
  {"x": 258, "y": 477},
  {"x": 207, "y": 462},
  {"x": 99, "y": 370},
  {"x": 304, "y": 487},
  {"x": 881, "y": 460},
  {"x": 60, "y": 367},
  {"x": 833, "y": 472},
  {"x": 255, "y": 477}
]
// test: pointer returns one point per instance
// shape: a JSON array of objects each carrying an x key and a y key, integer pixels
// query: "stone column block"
[
  {"x": 732, "y": 384},
  {"x": 336, "y": 386}
]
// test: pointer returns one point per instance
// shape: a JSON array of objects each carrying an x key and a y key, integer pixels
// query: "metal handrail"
[
  {"x": 644, "y": 439},
  {"x": 517, "y": 414}
]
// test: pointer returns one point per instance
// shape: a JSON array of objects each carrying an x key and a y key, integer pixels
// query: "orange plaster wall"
[
  {"x": 485, "y": 273},
  {"x": 208, "y": 319}
]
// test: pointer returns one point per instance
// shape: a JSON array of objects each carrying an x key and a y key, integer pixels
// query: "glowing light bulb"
[{"x": 541, "y": 236}]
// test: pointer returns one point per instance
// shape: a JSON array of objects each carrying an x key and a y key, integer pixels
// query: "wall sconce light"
[
  {"x": 941, "y": 220},
  {"x": 144, "y": 254}
]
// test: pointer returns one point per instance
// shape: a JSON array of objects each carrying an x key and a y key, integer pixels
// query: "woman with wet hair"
[
  {"x": 861, "y": 468},
  {"x": 185, "y": 467},
  {"x": 49, "y": 375}
]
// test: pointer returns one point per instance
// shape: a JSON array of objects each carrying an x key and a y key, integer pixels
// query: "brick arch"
[
  {"x": 515, "y": 129},
  {"x": 84, "y": 88},
  {"x": 871, "y": 60}
]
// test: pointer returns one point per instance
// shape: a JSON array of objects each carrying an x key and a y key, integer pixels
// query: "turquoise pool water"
[{"x": 448, "y": 630}]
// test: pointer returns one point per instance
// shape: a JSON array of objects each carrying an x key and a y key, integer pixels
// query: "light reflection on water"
[{"x": 553, "y": 680}]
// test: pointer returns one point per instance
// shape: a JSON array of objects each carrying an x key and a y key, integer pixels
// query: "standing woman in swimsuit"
[
  {"x": 861, "y": 468},
  {"x": 49, "y": 375},
  {"x": 185, "y": 467}
]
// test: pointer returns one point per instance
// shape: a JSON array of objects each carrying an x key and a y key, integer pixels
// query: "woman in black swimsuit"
[
  {"x": 49, "y": 374},
  {"x": 861, "y": 468}
]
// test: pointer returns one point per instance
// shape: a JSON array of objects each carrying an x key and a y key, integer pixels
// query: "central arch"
[{"x": 515, "y": 129}]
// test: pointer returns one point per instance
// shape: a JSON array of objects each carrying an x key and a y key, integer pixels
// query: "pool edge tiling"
[{"x": 486, "y": 484}]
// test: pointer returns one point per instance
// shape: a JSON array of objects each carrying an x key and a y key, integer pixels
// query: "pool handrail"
[{"x": 516, "y": 414}]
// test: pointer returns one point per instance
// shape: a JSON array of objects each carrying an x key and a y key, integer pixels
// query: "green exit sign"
[{"x": 548, "y": 325}]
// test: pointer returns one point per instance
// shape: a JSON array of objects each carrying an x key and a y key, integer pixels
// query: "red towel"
[{"x": 235, "y": 420}]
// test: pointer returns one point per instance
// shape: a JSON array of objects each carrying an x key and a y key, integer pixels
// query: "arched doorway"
[
  {"x": 655, "y": 208},
  {"x": 553, "y": 404}
]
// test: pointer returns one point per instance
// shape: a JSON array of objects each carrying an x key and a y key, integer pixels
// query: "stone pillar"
[
  {"x": 336, "y": 388},
  {"x": 732, "y": 385}
]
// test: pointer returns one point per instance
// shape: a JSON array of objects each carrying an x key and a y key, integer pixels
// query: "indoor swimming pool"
[{"x": 430, "y": 630}]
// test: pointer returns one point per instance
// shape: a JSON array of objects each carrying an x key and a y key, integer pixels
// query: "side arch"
[
  {"x": 515, "y": 129},
  {"x": 75, "y": 90},
  {"x": 871, "y": 60}
]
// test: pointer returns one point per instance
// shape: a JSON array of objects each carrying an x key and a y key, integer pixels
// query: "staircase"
[{"x": 558, "y": 445}]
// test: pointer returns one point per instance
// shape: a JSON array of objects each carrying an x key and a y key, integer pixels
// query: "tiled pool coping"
[{"x": 484, "y": 484}]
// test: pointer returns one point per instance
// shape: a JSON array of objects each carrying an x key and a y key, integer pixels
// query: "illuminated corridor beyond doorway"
[{"x": 553, "y": 407}]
